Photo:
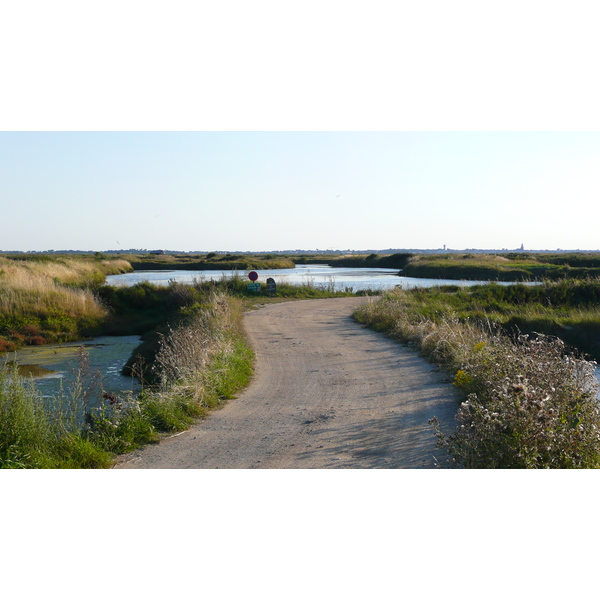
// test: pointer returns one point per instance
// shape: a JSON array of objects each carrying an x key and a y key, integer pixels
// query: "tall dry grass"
[
  {"x": 201, "y": 363},
  {"x": 55, "y": 296},
  {"x": 207, "y": 359}
]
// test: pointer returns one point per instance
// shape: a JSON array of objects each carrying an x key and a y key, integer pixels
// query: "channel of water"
[{"x": 340, "y": 278}]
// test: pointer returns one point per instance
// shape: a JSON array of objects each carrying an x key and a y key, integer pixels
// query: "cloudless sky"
[
  {"x": 320, "y": 125},
  {"x": 298, "y": 190}
]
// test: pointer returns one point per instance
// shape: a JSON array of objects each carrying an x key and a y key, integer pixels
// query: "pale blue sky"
[{"x": 278, "y": 190}]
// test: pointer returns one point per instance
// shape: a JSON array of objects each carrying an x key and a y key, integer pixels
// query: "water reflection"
[
  {"x": 50, "y": 365},
  {"x": 35, "y": 371},
  {"x": 337, "y": 278}
]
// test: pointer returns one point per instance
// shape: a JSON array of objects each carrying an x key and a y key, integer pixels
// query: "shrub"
[
  {"x": 6, "y": 345},
  {"x": 536, "y": 406},
  {"x": 31, "y": 330}
]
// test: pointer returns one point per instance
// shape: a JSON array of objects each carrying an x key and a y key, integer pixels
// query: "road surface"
[{"x": 327, "y": 393}]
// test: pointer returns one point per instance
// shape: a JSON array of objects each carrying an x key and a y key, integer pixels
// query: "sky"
[
  {"x": 225, "y": 126},
  {"x": 262, "y": 191}
]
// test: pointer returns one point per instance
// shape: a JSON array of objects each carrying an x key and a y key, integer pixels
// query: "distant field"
[
  {"x": 206, "y": 262},
  {"x": 504, "y": 267}
]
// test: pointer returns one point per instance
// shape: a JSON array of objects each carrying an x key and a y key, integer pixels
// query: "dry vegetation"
[{"x": 47, "y": 300}]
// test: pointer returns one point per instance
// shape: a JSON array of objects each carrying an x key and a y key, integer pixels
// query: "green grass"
[{"x": 33, "y": 435}]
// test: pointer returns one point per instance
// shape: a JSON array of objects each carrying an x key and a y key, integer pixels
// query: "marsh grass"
[
  {"x": 205, "y": 361},
  {"x": 210, "y": 261},
  {"x": 53, "y": 296},
  {"x": 530, "y": 401},
  {"x": 34, "y": 434},
  {"x": 506, "y": 267}
]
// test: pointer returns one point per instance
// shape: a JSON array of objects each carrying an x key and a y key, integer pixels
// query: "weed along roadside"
[{"x": 529, "y": 401}]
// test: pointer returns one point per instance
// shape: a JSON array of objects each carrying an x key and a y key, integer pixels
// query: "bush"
[{"x": 534, "y": 406}]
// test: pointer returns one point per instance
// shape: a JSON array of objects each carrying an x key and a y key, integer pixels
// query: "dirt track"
[{"x": 327, "y": 393}]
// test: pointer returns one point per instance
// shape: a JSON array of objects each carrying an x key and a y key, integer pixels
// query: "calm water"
[
  {"x": 318, "y": 275},
  {"x": 52, "y": 366}
]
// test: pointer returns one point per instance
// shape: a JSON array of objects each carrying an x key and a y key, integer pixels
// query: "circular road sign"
[{"x": 253, "y": 276}]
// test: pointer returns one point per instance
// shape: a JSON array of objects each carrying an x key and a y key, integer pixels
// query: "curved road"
[{"x": 327, "y": 393}]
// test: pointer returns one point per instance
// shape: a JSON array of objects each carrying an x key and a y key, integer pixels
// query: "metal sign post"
[{"x": 254, "y": 286}]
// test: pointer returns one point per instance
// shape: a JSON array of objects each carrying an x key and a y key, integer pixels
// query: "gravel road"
[{"x": 327, "y": 393}]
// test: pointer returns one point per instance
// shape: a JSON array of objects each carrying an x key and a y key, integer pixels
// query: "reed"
[{"x": 200, "y": 364}]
